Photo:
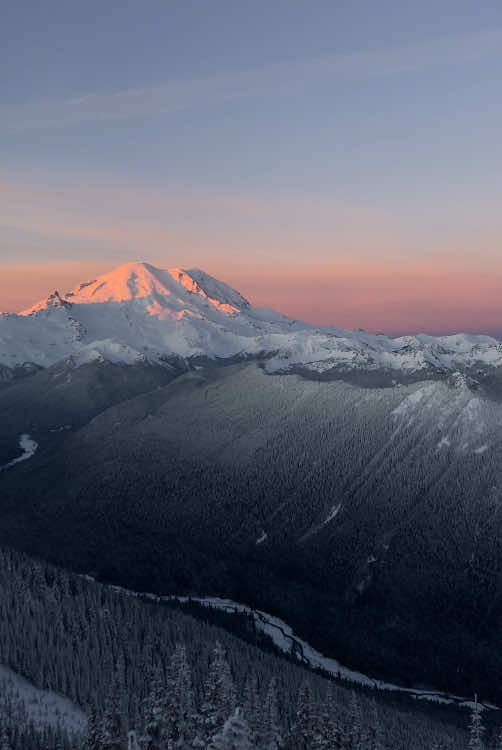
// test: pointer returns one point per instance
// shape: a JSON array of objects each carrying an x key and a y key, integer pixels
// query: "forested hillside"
[
  {"x": 367, "y": 518},
  {"x": 168, "y": 680}
]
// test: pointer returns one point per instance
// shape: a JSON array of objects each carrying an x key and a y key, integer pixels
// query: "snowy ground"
[
  {"x": 42, "y": 707},
  {"x": 28, "y": 447}
]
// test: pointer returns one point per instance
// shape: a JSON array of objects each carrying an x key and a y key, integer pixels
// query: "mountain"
[
  {"x": 138, "y": 313},
  {"x": 159, "y": 432}
]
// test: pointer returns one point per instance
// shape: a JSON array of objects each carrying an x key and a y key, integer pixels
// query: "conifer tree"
[
  {"x": 93, "y": 731},
  {"x": 251, "y": 705},
  {"x": 476, "y": 728},
  {"x": 303, "y": 731},
  {"x": 331, "y": 721},
  {"x": 219, "y": 693},
  {"x": 365, "y": 737},
  {"x": 5, "y": 743},
  {"x": 353, "y": 733},
  {"x": 273, "y": 735},
  {"x": 113, "y": 735},
  {"x": 132, "y": 741},
  {"x": 498, "y": 741},
  {"x": 375, "y": 733},
  {"x": 180, "y": 699},
  {"x": 235, "y": 735},
  {"x": 155, "y": 707}
]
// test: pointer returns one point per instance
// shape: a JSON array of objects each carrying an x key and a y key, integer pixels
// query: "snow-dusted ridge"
[
  {"x": 282, "y": 635},
  {"x": 139, "y": 313}
]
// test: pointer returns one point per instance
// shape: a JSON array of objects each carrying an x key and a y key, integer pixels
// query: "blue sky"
[
  {"x": 342, "y": 130},
  {"x": 362, "y": 134}
]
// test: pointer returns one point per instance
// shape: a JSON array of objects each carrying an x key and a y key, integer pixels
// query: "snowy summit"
[{"x": 139, "y": 313}]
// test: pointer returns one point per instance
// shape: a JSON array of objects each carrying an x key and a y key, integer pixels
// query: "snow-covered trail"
[
  {"x": 29, "y": 448},
  {"x": 283, "y": 636}
]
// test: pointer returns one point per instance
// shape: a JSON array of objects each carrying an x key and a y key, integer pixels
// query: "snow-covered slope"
[
  {"x": 141, "y": 313},
  {"x": 21, "y": 702}
]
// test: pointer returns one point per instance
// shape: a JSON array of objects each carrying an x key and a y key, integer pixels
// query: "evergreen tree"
[
  {"x": 303, "y": 731},
  {"x": 498, "y": 741},
  {"x": 331, "y": 721},
  {"x": 155, "y": 713},
  {"x": 93, "y": 731},
  {"x": 375, "y": 732},
  {"x": 132, "y": 741},
  {"x": 113, "y": 735},
  {"x": 353, "y": 731},
  {"x": 181, "y": 718},
  {"x": 235, "y": 735},
  {"x": 273, "y": 735},
  {"x": 252, "y": 709},
  {"x": 365, "y": 737},
  {"x": 476, "y": 728},
  {"x": 5, "y": 743},
  {"x": 219, "y": 693}
]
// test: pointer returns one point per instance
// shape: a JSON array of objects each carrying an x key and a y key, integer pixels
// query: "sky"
[{"x": 339, "y": 161}]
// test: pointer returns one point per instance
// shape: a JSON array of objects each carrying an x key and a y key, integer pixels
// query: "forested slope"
[
  {"x": 134, "y": 665},
  {"x": 368, "y": 518}
]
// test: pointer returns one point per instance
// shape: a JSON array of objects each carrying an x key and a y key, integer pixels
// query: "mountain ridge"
[{"x": 140, "y": 313}]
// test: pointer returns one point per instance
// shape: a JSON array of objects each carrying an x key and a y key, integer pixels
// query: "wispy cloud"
[
  {"x": 124, "y": 219},
  {"x": 277, "y": 80},
  {"x": 116, "y": 220}
]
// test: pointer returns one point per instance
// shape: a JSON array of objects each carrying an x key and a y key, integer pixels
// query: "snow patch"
[
  {"x": 414, "y": 401},
  {"x": 332, "y": 514},
  {"x": 43, "y": 707},
  {"x": 444, "y": 443},
  {"x": 29, "y": 448}
]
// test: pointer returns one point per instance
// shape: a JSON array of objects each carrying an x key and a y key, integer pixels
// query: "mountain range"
[
  {"x": 138, "y": 313},
  {"x": 159, "y": 432}
]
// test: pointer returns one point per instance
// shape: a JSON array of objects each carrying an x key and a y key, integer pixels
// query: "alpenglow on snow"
[{"x": 139, "y": 313}]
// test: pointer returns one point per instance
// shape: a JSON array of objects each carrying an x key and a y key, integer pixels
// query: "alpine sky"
[{"x": 337, "y": 161}]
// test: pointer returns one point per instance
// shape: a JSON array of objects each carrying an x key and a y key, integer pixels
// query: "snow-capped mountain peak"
[
  {"x": 138, "y": 312},
  {"x": 142, "y": 281}
]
